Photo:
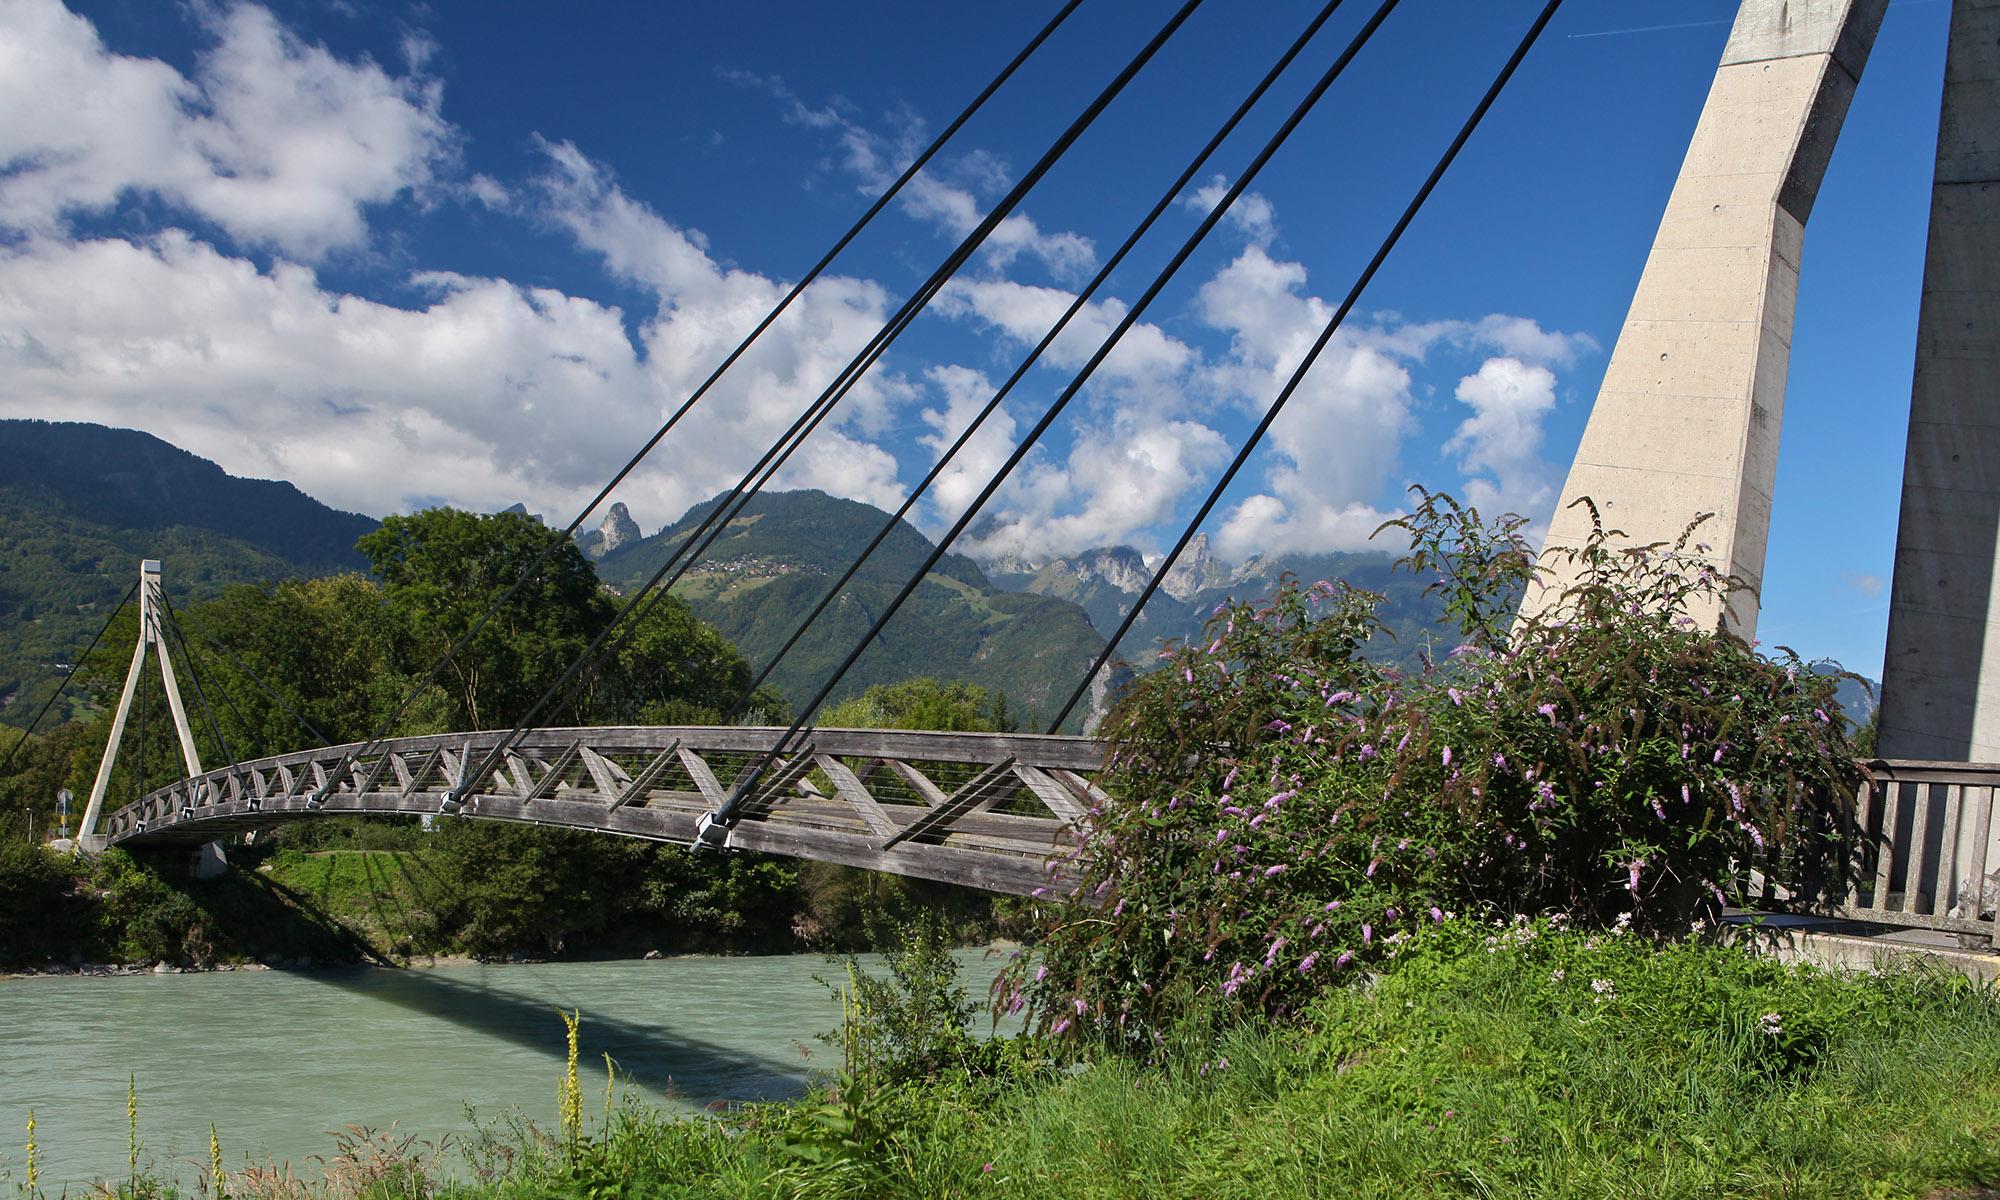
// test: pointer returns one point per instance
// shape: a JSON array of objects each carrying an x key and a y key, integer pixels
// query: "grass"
[
  {"x": 388, "y": 898},
  {"x": 1521, "y": 1061}
]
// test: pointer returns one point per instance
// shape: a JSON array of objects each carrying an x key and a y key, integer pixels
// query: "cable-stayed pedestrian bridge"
[
  {"x": 1686, "y": 423},
  {"x": 990, "y": 811}
]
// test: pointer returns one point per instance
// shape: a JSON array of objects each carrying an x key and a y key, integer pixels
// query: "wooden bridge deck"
[{"x": 985, "y": 810}]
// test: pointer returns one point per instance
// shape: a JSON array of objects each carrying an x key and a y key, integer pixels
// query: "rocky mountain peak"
[
  {"x": 1189, "y": 572},
  {"x": 1120, "y": 566},
  {"x": 617, "y": 529}
]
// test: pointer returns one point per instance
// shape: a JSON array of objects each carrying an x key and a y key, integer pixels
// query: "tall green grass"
[{"x": 1547, "y": 1064}]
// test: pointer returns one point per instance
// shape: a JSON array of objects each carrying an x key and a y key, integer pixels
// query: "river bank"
[{"x": 387, "y": 892}]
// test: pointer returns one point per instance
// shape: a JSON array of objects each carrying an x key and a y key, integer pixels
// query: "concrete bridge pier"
[
  {"x": 1687, "y": 418},
  {"x": 1941, "y": 674}
]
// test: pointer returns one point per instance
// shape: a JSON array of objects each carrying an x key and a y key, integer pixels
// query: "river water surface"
[{"x": 278, "y": 1059}]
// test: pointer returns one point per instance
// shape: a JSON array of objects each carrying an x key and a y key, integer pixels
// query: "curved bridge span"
[{"x": 988, "y": 811}]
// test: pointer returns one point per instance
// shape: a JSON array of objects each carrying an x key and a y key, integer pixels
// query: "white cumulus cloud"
[
  {"x": 275, "y": 140},
  {"x": 1500, "y": 444}
]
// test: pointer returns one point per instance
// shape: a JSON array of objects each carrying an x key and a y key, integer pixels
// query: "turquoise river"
[{"x": 278, "y": 1060}]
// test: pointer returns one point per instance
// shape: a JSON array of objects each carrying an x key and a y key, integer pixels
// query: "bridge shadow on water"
[{"x": 520, "y": 1003}]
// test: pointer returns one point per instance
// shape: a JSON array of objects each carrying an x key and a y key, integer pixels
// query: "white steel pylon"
[{"x": 151, "y": 600}]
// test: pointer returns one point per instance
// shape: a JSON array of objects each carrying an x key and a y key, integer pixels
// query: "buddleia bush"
[{"x": 1288, "y": 811}]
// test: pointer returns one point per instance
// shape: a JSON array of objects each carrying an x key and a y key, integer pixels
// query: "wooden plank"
[
  {"x": 1856, "y": 830},
  {"x": 644, "y": 781},
  {"x": 1920, "y": 822},
  {"x": 771, "y": 788},
  {"x": 453, "y": 764},
  {"x": 1051, "y": 793},
  {"x": 1974, "y": 874},
  {"x": 977, "y": 790},
  {"x": 704, "y": 779},
  {"x": 919, "y": 782},
  {"x": 414, "y": 782},
  {"x": 1947, "y": 871},
  {"x": 859, "y": 797},
  {"x": 1087, "y": 792},
  {"x": 990, "y": 872},
  {"x": 606, "y": 774},
  {"x": 1888, "y": 845},
  {"x": 523, "y": 779},
  {"x": 553, "y": 778}
]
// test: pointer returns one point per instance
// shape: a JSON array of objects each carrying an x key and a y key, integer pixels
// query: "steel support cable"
[
  {"x": 173, "y": 630},
  {"x": 1077, "y": 305},
  {"x": 64, "y": 685},
  {"x": 305, "y": 725},
  {"x": 258, "y": 747},
  {"x": 698, "y": 542},
  {"x": 640, "y": 604},
  {"x": 1298, "y": 375},
  {"x": 257, "y": 743},
  {"x": 713, "y": 825},
  {"x": 910, "y": 172}
]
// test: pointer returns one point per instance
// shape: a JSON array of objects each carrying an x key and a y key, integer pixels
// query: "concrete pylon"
[
  {"x": 1686, "y": 421},
  {"x": 1941, "y": 676}
]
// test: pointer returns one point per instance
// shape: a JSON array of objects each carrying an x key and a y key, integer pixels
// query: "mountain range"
[
  {"x": 81, "y": 505},
  {"x": 1106, "y": 581},
  {"x": 775, "y": 559}
]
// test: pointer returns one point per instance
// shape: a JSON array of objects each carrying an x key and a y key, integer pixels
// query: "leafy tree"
[
  {"x": 923, "y": 703},
  {"x": 441, "y": 570}
]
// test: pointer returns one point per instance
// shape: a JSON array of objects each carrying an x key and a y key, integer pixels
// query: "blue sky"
[{"x": 459, "y": 253}]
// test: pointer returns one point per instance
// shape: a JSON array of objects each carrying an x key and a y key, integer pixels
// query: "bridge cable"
[
  {"x": 747, "y": 782},
  {"x": 1103, "y": 275},
  {"x": 173, "y": 627},
  {"x": 267, "y": 689},
  {"x": 911, "y": 308},
  {"x": 770, "y": 318},
  {"x": 1298, "y": 375},
  {"x": 716, "y": 522},
  {"x": 64, "y": 685}
]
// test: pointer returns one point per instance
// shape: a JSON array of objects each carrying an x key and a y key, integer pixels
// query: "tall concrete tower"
[
  {"x": 1687, "y": 418},
  {"x": 1941, "y": 678}
]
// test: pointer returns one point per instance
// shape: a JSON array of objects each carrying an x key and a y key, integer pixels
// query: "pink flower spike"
[
  {"x": 1447, "y": 756},
  {"x": 1276, "y": 870},
  {"x": 1367, "y": 934}
]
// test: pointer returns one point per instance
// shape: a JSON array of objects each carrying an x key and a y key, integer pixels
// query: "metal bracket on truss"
[{"x": 710, "y": 833}]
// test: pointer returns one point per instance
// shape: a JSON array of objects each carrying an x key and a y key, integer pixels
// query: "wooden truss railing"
[
  {"x": 990, "y": 811},
  {"x": 1916, "y": 848}
]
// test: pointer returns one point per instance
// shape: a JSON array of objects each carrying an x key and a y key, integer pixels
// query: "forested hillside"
[
  {"x": 784, "y": 551},
  {"x": 80, "y": 505}
]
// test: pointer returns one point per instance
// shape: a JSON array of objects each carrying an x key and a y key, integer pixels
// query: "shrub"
[{"x": 1288, "y": 812}]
